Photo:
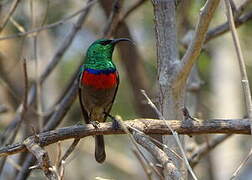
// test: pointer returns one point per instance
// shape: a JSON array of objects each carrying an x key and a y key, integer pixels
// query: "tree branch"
[
  {"x": 147, "y": 126},
  {"x": 194, "y": 49},
  {"x": 41, "y": 155},
  {"x": 49, "y": 26},
  {"x": 9, "y": 14},
  {"x": 53, "y": 63},
  {"x": 223, "y": 28},
  {"x": 206, "y": 147},
  {"x": 169, "y": 168},
  {"x": 241, "y": 61}
]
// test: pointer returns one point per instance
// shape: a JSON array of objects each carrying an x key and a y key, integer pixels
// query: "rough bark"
[
  {"x": 146, "y": 126},
  {"x": 171, "y": 99}
]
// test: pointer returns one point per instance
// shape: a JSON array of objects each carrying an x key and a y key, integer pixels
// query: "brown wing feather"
[{"x": 83, "y": 110}]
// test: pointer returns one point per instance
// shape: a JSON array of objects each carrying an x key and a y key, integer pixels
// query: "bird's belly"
[
  {"x": 98, "y": 92},
  {"x": 97, "y": 101}
]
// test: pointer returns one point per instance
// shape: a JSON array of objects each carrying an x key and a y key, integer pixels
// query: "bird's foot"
[
  {"x": 95, "y": 124},
  {"x": 115, "y": 123},
  {"x": 79, "y": 123},
  {"x": 187, "y": 115}
]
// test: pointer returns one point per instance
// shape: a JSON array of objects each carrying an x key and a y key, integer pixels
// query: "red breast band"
[{"x": 99, "y": 81}]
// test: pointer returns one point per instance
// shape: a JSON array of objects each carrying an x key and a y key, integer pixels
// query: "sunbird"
[{"x": 98, "y": 85}]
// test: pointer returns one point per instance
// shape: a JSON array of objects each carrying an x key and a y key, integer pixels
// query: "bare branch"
[
  {"x": 9, "y": 14},
  {"x": 245, "y": 82},
  {"x": 54, "y": 61},
  {"x": 130, "y": 10},
  {"x": 242, "y": 165},
  {"x": 169, "y": 168},
  {"x": 134, "y": 142},
  {"x": 3, "y": 108},
  {"x": 68, "y": 152},
  {"x": 46, "y": 27},
  {"x": 143, "y": 164},
  {"x": 63, "y": 106},
  {"x": 67, "y": 41},
  {"x": 204, "y": 148},
  {"x": 223, "y": 28},
  {"x": 113, "y": 20},
  {"x": 24, "y": 110},
  {"x": 174, "y": 133},
  {"x": 194, "y": 49},
  {"x": 147, "y": 126},
  {"x": 42, "y": 157}
]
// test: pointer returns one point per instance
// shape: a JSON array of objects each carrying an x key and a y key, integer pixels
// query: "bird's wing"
[
  {"x": 107, "y": 110},
  {"x": 84, "y": 112}
]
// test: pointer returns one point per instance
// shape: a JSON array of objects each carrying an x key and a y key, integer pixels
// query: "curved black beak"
[{"x": 115, "y": 41}]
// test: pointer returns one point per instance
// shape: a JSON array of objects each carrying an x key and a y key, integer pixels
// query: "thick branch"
[{"x": 147, "y": 126}]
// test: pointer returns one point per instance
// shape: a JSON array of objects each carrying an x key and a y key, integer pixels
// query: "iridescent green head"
[{"x": 99, "y": 53}]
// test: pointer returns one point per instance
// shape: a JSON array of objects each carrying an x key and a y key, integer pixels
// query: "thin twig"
[
  {"x": 9, "y": 14},
  {"x": 129, "y": 11},
  {"x": 68, "y": 152},
  {"x": 62, "y": 172},
  {"x": 54, "y": 61},
  {"x": 58, "y": 153},
  {"x": 112, "y": 20},
  {"x": 67, "y": 41},
  {"x": 174, "y": 133},
  {"x": 24, "y": 110},
  {"x": 64, "y": 105},
  {"x": 17, "y": 25},
  {"x": 134, "y": 142},
  {"x": 223, "y": 28},
  {"x": 143, "y": 164},
  {"x": 60, "y": 22},
  {"x": 157, "y": 142},
  {"x": 205, "y": 148},
  {"x": 36, "y": 68},
  {"x": 245, "y": 82},
  {"x": 241, "y": 8},
  {"x": 234, "y": 175},
  {"x": 169, "y": 168}
]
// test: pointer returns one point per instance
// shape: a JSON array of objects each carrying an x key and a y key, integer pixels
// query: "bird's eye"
[{"x": 105, "y": 42}]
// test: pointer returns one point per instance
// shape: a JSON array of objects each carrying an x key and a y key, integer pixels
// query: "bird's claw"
[
  {"x": 115, "y": 124},
  {"x": 95, "y": 124}
]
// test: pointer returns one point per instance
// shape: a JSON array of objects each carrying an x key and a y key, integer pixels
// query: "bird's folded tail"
[{"x": 100, "y": 154}]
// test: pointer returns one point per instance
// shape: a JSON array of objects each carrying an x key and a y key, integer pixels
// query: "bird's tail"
[{"x": 100, "y": 154}]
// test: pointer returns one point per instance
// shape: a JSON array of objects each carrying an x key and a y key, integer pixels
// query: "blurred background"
[{"x": 218, "y": 93}]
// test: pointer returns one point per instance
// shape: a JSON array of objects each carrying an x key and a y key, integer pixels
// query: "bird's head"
[{"x": 103, "y": 48}]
